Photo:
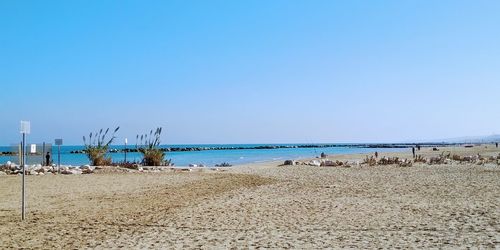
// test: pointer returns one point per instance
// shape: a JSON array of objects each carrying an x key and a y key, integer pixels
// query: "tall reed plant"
[
  {"x": 149, "y": 146},
  {"x": 97, "y": 147}
]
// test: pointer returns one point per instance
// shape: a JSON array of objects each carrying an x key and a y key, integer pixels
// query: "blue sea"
[{"x": 207, "y": 157}]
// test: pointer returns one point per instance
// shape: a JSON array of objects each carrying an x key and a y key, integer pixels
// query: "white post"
[
  {"x": 23, "y": 203},
  {"x": 25, "y": 129},
  {"x": 58, "y": 142},
  {"x": 126, "y": 141}
]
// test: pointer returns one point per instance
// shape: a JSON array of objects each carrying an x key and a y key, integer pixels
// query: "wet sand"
[{"x": 262, "y": 206}]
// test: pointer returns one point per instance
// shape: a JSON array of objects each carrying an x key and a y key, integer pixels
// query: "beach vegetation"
[
  {"x": 420, "y": 159},
  {"x": 97, "y": 145},
  {"x": 370, "y": 160},
  {"x": 224, "y": 164},
  {"x": 441, "y": 159},
  {"x": 149, "y": 146},
  {"x": 405, "y": 163}
]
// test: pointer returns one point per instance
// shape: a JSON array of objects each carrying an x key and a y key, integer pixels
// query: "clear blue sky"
[{"x": 251, "y": 71}]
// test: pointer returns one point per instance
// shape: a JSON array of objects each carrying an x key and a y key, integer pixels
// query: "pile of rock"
[
  {"x": 13, "y": 169},
  {"x": 443, "y": 158},
  {"x": 337, "y": 163},
  {"x": 289, "y": 163},
  {"x": 85, "y": 169},
  {"x": 318, "y": 163},
  {"x": 196, "y": 166},
  {"x": 154, "y": 168}
]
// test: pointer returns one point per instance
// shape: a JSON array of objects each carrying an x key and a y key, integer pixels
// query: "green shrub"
[
  {"x": 97, "y": 147},
  {"x": 152, "y": 154}
]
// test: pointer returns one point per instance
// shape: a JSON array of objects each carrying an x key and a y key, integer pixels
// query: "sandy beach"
[{"x": 262, "y": 206}]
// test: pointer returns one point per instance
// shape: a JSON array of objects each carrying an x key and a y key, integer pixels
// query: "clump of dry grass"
[
  {"x": 370, "y": 160},
  {"x": 389, "y": 161},
  {"x": 336, "y": 163},
  {"x": 467, "y": 159},
  {"x": 97, "y": 147},
  {"x": 441, "y": 159},
  {"x": 405, "y": 163},
  {"x": 152, "y": 154},
  {"x": 419, "y": 159}
]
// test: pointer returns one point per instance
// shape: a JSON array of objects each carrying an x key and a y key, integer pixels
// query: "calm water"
[{"x": 208, "y": 157}]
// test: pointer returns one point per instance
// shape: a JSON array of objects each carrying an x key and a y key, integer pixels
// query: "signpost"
[
  {"x": 59, "y": 142},
  {"x": 126, "y": 141},
  {"x": 25, "y": 129}
]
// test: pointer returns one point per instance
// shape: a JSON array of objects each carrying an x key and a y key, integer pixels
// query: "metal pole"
[
  {"x": 43, "y": 154},
  {"x": 58, "y": 157},
  {"x": 125, "y": 152},
  {"x": 24, "y": 173},
  {"x": 20, "y": 154}
]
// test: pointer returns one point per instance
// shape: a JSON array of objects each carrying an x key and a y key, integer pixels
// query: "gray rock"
[
  {"x": 85, "y": 167},
  {"x": 315, "y": 163},
  {"x": 69, "y": 171},
  {"x": 328, "y": 163},
  {"x": 289, "y": 163},
  {"x": 87, "y": 171}
]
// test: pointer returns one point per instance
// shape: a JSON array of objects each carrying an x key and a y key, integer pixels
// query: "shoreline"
[
  {"x": 233, "y": 157},
  {"x": 263, "y": 205},
  {"x": 208, "y": 158},
  {"x": 164, "y": 148}
]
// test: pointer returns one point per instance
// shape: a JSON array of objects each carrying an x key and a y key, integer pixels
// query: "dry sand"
[{"x": 261, "y": 206}]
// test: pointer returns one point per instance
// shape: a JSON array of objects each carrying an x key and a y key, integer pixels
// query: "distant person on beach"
[
  {"x": 496, "y": 144},
  {"x": 413, "y": 151},
  {"x": 376, "y": 154},
  {"x": 47, "y": 159},
  {"x": 418, "y": 147}
]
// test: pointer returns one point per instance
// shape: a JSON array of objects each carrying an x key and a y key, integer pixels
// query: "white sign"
[
  {"x": 25, "y": 127},
  {"x": 33, "y": 148}
]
